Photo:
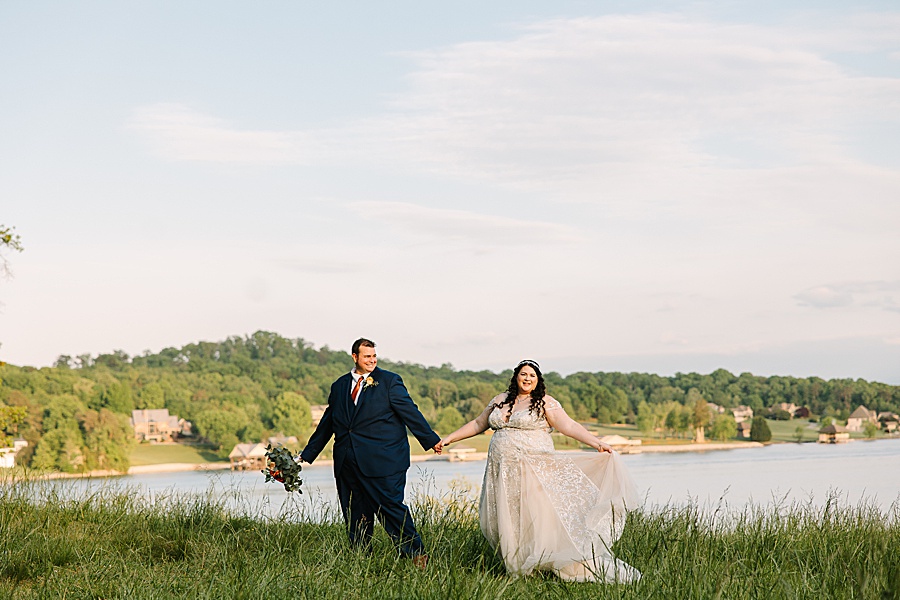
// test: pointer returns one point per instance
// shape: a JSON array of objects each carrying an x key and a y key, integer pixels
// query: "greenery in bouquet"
[{"x": 283, "y": 467}]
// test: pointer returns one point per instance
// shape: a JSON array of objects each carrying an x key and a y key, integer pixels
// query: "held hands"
[{"x": 441, "y": 444}]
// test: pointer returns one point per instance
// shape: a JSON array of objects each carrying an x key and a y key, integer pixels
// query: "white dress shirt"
[{"x": 356, "y": 377}]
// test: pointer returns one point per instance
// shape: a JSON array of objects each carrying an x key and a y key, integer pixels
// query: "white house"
[
  {"x": 246, "y": 457},
  {"x": 8, "y": 454},
  {"x": 890, "y": 422},
  {"x": 742, "y": 413},
  {"x": 157, "y": 425},
  {"x": 859, "y": 417},
  {"x": 833, "y": 434}
]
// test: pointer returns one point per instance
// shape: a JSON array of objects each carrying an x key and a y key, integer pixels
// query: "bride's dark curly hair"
[{"x": 537, "y": 394}]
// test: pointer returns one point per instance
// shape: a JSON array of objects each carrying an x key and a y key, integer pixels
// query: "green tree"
[
  {"x": 60, "y": 412},
  {"x": 779, "y": 414},
  {"x": 723, "y": 427},
  {"x": 426, "y": 406},
  {"x": 870, "y": 429},
  {"x": 10, "y": 417},
  {"x": 221, "y": 427},
  {"x": 108, "y": 440},
  {"x": 441, "y": 391},
  {"x": 666, "y": 394},
  {"x": 471, "y": 408},
  {"x": 699, "y": 413},
  {"x": 755, "y": 402},
  {"x": 292, "y": 415},
  {"x": 116, "y": 397},
  {"x": 612, "y": 404},
  {"x": 151, "y": 396},
  {"x": 449, "y": 420},
  {"x": 9, "y": 240},
  {"x": 254, "y": 431},
  {"x": 646, "y": 420},
  {"x": 759, "y": 430},
  {"x": 678, "y": 421},
  {"x": 60, "y": 449}
]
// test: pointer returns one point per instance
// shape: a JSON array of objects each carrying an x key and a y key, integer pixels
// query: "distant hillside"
[{"x": 244, "y": 388}]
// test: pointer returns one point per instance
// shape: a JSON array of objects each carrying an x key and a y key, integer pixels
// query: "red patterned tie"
[{"x": 355, "y": 391}]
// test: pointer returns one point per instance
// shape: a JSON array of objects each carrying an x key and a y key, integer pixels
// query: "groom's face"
[{"x": 365, "y": 360}]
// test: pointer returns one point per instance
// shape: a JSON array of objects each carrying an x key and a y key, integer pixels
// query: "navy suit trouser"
[{"x": 363, "y": 498}]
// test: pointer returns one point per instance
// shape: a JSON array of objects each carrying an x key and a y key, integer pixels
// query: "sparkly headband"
[{"x": 530, "y": 363}]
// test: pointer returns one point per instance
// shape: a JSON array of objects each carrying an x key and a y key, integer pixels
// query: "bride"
[{"x": 547, "y": 510}]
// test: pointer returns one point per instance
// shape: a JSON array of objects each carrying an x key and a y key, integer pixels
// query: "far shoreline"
[{"x": 418, "y": 458}]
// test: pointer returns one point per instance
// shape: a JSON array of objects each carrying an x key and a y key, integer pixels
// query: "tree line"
[{"x": 75, "y": 415}]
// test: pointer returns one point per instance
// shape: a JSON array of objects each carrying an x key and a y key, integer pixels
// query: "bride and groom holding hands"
[{"x": 539, "y": 509}]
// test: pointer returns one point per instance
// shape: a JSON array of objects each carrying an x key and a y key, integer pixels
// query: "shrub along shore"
[{"x": 112, "y": 544}]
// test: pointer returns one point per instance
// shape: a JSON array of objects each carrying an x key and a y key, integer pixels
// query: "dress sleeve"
[
  {"x": 496, "y": 400},
  {"x": 551, "y": 403}
]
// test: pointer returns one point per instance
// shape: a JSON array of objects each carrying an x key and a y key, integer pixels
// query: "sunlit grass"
[
  {"x": 115, "y": 544},
  {"x": 154, "y": 454}
]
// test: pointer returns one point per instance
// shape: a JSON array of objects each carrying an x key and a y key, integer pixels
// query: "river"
[{"x": 779, "y": 473}]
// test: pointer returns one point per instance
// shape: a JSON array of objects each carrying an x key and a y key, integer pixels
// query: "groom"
[{"x": 368, "y": 413}]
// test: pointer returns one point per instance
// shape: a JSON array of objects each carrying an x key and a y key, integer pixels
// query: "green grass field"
[
  {"x": 154, "y": 454},
  {"x": 785, "y": 431},
  {"x": 114, "y": 544}
]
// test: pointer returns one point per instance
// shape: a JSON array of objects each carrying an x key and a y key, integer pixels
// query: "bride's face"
[{"x": 527, "y": 380}]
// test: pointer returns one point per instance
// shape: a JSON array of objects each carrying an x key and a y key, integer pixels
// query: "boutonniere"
[{"x": 369, "y": 382}]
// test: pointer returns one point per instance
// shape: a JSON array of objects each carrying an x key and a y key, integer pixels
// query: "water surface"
[{"x": 776, "y": 474}]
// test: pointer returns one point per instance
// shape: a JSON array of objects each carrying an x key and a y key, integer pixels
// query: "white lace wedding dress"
[{"x": 555, "y": 511}]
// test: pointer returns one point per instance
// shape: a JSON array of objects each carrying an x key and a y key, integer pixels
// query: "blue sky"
[{"x": 636, "y": 186}]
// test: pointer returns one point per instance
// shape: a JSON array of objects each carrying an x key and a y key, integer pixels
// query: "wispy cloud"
[
  {"x": 177, "y": 132},
  {"x": 873, "y": 294},
  {"x": 573, "y": 99},
  {"x": 460, "y": 225},
  {"x": 633, "y": 112}
]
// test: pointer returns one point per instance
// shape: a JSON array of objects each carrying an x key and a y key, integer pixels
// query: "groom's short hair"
[{"x": 360, "y": 343}]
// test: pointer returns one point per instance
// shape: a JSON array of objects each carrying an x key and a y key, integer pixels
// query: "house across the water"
[
  {"x": 157, "y": 425},
  {"x": 833, "y": 434},
  {"x": 247, "y": 457},
  {"x": 8, "y": 454}
]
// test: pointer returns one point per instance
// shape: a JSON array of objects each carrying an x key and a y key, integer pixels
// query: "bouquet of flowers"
[{"x": 283, "y": 467}]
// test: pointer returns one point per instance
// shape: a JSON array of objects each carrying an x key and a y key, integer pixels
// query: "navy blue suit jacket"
[{"x": 374, "y": 429}]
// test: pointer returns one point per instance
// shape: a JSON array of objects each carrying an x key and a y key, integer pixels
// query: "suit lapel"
[{"x": 346, "y": 402}]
